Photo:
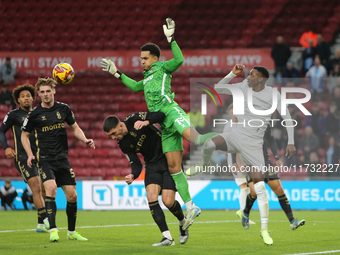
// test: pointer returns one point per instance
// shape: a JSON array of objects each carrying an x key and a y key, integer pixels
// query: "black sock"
[
  {"x": 42, "y": 214},
  {"x": 249, "y": 204},
  {"x": 71, "y": 211},
  {"x": 177, "y": 210},
  {"x": 158, "y": 216},
  {"x": 285, "y": 205},
  {"x": 51, "y": 209}
]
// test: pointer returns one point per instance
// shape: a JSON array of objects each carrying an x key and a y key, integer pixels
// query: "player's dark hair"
[
  {"x": 47, "y": 81},
  {"x": 153, "y": 48},
  {"x": 16, "y": 92},
  {"x": 110, "y": 122},
  {"x": 262, "y": 70}
]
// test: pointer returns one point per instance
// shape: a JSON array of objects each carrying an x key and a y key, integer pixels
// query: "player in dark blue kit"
[
  {"x": 136, "y": 134},
  {"x": 24, "y": 95},
  {"x": 47, "y": 121}
]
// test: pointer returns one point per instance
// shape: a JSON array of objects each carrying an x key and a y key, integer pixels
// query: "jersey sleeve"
[
  {"x": 70, "y": 119},
  {"x": 173, "y": 64},
  {"x": 155, "y": 117},
  {"x": 29, "y": 122},
  {"x": 132, "y": 84},
  {"x": 6, "y": 124},
  {"x": 136, "y": 164},
  {"x": 221, "y": 88},
  {"x": 152, "y": 117}
]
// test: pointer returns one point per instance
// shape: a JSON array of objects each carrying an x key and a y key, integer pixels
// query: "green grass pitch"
[{"x": 133, "y": 232}]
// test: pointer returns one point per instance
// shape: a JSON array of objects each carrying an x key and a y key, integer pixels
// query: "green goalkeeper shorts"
[{"x": 175, "y": 122}]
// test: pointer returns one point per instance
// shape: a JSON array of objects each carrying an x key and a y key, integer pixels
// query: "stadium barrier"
[
  {"x": 117, "y": 195},
  {"x": 130, "y": 60}
]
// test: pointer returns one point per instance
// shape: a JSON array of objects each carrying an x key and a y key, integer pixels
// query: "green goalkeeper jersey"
[{"x": 157, "y": 81}]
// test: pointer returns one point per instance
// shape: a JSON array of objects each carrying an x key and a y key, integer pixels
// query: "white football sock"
[
  {"x": 243, "y": 198},
  {"x": 167, "y": 234},
  {"x": 208, "y": 149},
  {"x": 262, "y": 201},
  {"x": 190, "y": 204}
]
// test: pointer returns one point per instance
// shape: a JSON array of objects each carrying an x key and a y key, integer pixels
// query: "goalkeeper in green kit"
[{"x": 157, "y": 90}]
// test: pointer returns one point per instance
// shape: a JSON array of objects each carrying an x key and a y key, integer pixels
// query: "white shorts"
[
  {"x": 249, "y": 148},
  {"x": 240, "y": 178}
]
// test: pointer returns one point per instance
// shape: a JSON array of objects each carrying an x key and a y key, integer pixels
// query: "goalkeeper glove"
[
  {"x": 170, "y": 30},
  {"x": 109, "y": 66}
]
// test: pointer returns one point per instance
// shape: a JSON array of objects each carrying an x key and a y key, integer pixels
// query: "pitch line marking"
[
  {"x": 150, "y": 224},
  {"x": 320, "y": 252},
  {"x": 124, "y": 225}
]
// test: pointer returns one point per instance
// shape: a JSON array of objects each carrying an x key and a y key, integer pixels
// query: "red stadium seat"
[
  {"x": 88, "y": 153},
  {"x": 90, "y": 162},
  {"x": 72, "y": 153},
  {"x": 100, "y": 154},
  {"x": 82, "y": 172},
  {"x": 98, "y": 173},
  {"x": 6, "y": 163},
  {"x": 10, "y": 172},
  {"x": 77, "y": 163},
  {"x": 111, "y": 173},
  {"x": 109, "y": 144},
  {"x": 106, "y": 163},
  {"x": 115, "y": 153}
]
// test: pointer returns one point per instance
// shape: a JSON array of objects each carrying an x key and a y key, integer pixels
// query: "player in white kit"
[{"x": 247, "y": 138}]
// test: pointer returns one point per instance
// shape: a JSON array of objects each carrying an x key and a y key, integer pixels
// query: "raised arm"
[
  {"x": 173, "y": 64},
  {"x": 142, "y": 119},
  {"x": 237, "y": 69},
  {"x": 109, "y": 66}
]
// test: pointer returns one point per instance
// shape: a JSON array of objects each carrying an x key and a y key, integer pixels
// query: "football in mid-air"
[{"x": 63, "y": 73}]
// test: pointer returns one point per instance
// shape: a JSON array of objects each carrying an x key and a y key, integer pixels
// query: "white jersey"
[
  {"x": 250, "y": 124},
  {"x": 228, "y": 127}
]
